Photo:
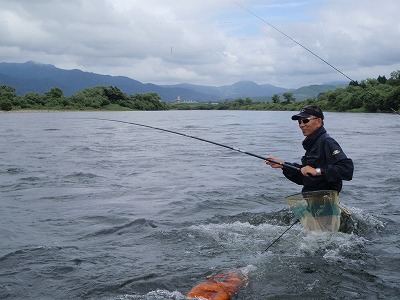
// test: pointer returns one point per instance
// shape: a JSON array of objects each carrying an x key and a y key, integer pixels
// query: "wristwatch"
[{"x": 318, "y": 170}]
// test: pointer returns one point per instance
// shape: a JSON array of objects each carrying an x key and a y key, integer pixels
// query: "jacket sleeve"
[
  {"x": 293, "y": 175},
  {"x": 339, "y": 167}
]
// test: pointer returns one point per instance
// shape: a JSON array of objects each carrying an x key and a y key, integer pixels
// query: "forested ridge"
[
  {"x": 96, "y": 98},
  {"x": 370, "y": 95}
]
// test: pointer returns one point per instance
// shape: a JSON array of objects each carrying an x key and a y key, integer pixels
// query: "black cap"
[{"x": 306, "y": 112}]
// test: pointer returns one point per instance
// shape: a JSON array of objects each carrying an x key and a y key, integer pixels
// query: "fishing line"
[
  {"x": 395, "y": 111},
  {"x": 293, "y": 40},
  {"x": 279, "y": 237},
  {"x": 204, "y": 140}
]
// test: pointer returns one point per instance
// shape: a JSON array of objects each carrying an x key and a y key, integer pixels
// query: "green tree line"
[
  {"x": 96, "y": 98},
  {"x": 370, "y": 95}
]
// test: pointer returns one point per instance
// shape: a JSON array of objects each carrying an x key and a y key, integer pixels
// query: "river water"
[{"x": 93, "y": 209}]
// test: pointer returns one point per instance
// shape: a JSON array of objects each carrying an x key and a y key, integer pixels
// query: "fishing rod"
[
  {"x": 293, "y": 40},
  {"x": 207, "y": 141}
]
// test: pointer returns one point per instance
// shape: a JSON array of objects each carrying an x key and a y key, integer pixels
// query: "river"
[{"x": 93, "y": 209}]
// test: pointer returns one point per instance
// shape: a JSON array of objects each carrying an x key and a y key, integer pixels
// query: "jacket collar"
[{"x": 310, "y": 141}]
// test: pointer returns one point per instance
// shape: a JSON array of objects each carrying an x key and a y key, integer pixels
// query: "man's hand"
[
  {"x": 309, "y": 171},
  {"x": 274, "y": 162}
]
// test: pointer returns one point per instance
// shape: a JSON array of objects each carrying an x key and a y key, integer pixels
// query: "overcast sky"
[{"x": 207, "y": 42}]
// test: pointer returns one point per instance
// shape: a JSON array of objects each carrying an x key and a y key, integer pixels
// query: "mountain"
[
  {"x": 40, "y": 78},
  {"x": 241, "y": 89},
  {"x": 338, "y": 83},
  {"x": 311, "y": 91}
]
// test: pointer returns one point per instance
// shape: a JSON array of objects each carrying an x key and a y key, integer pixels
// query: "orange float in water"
[{"x": 219, "y": 287}]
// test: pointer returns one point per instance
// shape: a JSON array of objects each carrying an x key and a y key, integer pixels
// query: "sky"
[{"x": 207, "y": 42}]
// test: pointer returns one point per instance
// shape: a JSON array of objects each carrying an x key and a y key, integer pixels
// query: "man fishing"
[
  {"x": 323, "y": 168},
  {"x": 324, "y": 165}
]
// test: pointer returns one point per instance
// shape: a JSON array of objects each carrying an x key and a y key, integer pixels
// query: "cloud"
[{"x": 205, "y": 42}]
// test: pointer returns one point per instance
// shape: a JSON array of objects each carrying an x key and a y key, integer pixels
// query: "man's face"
[{"x": 309, "y": 125}]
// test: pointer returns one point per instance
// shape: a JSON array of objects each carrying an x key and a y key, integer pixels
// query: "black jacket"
[{"x": 325, "y": 153}]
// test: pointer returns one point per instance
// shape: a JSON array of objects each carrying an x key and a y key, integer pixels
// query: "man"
[{"x": 324, "y": 165}]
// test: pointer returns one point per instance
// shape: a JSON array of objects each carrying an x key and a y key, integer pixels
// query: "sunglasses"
[{"x": 305, "y": 120}]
